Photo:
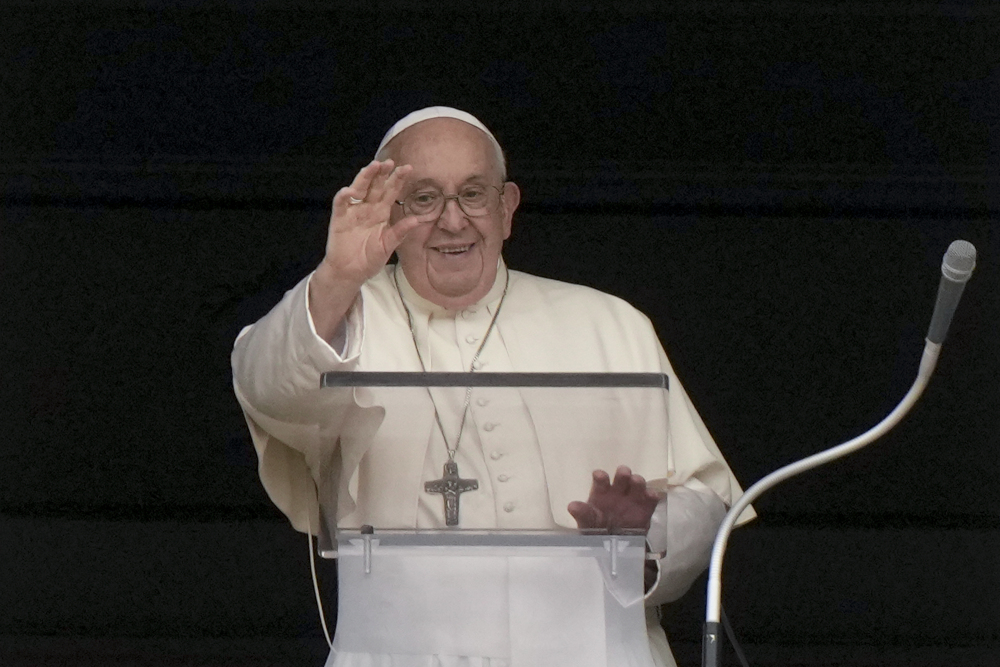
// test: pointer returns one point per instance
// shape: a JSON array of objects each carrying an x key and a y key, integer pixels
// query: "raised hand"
[
  {"x": 361, "y": 237},
  {"x": 625, "y": 503}
]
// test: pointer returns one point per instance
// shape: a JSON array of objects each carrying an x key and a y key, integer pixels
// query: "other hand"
[{"x": 626, "y": 503}]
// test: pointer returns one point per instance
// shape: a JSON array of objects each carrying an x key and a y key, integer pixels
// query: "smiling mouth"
[{"x": 454, "y": 250}]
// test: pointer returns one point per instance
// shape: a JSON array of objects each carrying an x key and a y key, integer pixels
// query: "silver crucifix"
[{"x": 451, "y": 486}]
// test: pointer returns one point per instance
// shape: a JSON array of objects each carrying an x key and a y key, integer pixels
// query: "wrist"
[
  {"x": 329, "y": 299},
  {"x": 331, "y": 279}
]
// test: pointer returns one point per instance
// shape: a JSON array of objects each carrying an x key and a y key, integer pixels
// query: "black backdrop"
[{"x": 773, "y": 184}]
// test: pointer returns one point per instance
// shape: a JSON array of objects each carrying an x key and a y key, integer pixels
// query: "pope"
[{"x": 437, "y": 196}]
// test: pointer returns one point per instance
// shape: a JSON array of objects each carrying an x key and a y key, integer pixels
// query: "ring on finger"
[{"x": 354, "y": 200}]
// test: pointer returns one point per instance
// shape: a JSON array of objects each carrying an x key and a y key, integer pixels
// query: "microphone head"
[{"x": 959, "y": 261}]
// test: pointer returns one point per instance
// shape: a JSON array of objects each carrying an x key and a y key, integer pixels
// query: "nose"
[{"x": 452, "y": 216}]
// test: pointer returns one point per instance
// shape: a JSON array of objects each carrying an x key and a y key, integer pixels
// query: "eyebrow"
[{"x": 434, "y": 182}]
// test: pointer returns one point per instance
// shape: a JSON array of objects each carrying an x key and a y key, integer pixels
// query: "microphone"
[{"x": 956, "y": 268}]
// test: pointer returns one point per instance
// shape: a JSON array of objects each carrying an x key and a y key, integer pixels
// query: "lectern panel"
[{"x": 517, "y": 599}]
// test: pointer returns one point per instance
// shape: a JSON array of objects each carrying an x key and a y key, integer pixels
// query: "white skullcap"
[{"x": 420, "y": 115}]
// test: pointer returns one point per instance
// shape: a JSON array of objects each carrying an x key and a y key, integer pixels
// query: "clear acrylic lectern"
[{"x": 505, "y": 596}]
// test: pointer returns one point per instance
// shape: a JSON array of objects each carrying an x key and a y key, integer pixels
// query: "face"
[{"x": 452, "y": 260}]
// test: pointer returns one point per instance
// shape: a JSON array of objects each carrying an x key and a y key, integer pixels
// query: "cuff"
[
  {"x": 684, "y": 525},
  {"x": 345, "y": 346}
]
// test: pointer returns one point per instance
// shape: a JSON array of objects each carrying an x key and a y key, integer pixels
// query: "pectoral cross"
[{"x": 451, "y": 486}]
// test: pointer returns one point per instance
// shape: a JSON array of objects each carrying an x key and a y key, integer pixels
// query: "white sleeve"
[
  {"x": 277, "y": 364},
  {"x": 684, "y": 525},
  {"x": 341, "y": 340},
  {"x": 350, "y": 330}
]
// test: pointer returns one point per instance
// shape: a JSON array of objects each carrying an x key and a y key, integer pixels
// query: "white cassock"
[{"x": 369, "y": 464}]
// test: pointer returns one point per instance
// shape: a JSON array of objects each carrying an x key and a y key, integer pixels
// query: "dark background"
[{"x": 774, "y": 184}]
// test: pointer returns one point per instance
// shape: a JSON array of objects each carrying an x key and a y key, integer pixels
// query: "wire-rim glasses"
[{"x": 473, "y": 200}]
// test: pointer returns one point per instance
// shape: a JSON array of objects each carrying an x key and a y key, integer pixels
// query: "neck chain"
[{"x": 472, "y": 366}]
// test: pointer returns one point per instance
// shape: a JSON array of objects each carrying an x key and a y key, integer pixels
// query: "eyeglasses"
[{"x": 474, "y": 200}]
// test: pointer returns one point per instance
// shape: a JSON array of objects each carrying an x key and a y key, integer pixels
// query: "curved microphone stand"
[
  {"x": 956, "y": 268},
  {"x": 710, "y": 646}
]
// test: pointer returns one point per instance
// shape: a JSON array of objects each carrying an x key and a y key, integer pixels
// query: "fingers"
[
  {"x": 363, "y": 181},
  {"x": 624, "y": 480},
  {"x": 377, "y": 182},
  {"x": 627, "y": 483},
  {"x": 342, "y": 200},
  {"x": 395, "y": 180},
  {"x": 602, "y": 482},
  {"x": 624, "y": 503},
  {"x": 386, "y": 182},
  {"x": 586, "y": 515},
  {"x": 358, "y": 189},
  {"x": 376, "y": 192}
]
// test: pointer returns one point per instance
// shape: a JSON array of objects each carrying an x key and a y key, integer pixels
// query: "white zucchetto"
[{"x": 420, "y": 115}]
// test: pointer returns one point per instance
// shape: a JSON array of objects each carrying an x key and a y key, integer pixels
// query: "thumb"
[{"x": 586, "y": 515}]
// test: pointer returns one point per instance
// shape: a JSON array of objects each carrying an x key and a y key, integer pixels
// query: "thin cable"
[
  {"x": 312, "y": 568},
  {"x": 732, "y": 638}
]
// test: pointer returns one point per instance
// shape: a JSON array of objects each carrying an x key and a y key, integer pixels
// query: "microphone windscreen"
[{"x": 959, "y": 261}]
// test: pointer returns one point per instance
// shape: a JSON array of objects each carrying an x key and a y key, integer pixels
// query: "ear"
[{"x": 511, "y": 198}]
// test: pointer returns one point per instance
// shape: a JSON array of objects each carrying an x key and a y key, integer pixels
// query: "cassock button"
[
  {"x": 478, "y": 363},
  {"x": 470, "y": 339},
  {"x": 482, "y": 402},
  {"x": 509, "y": 507},
  {"x": 495, "y": 455},
  {"x": 489, "y": 426},
  {"x": 502, "y": 478}
]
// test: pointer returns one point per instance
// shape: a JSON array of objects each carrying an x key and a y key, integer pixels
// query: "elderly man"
[{"x": 438, "y": 197}]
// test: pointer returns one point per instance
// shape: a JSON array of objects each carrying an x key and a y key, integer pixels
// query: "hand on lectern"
[{"x": 625, "y": 503}]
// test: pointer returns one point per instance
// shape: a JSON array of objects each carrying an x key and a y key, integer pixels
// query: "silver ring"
[{"x": 354, "y": 200}]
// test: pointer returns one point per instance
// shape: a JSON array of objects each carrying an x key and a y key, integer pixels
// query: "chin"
[{"x": 456, "y": 289}]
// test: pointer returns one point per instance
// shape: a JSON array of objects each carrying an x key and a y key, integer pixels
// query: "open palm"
[{"x": 362, "y": 237}]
